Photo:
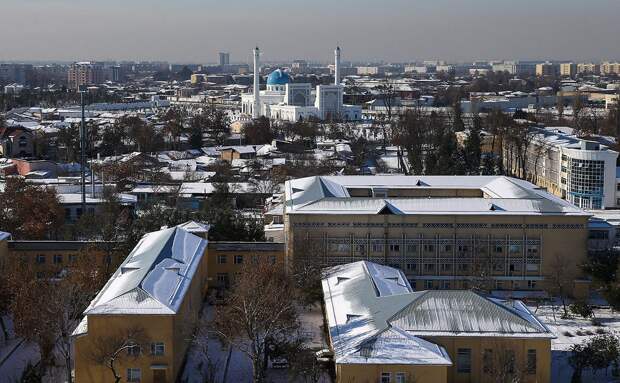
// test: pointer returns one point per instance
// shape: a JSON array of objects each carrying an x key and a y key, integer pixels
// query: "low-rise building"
[
  {"x": 444, "y": 232},
  {"x": 382, "y": 330},
  {"x": 150, "y": 305},
  {"x": 226, "y": 259}
]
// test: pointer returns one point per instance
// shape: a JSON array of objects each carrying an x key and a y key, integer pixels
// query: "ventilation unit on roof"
[
  {"x": 297, "y": 190},
  {"x": 494, "y": 207},
  {"x": 352, "y": 317},
  {"x": 341, "y": 279},
  {"x": 125, "y": 270},
  {"x": 420, "y": 183}
]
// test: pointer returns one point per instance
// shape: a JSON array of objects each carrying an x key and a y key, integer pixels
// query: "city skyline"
[{"x": 190, "y": 31}]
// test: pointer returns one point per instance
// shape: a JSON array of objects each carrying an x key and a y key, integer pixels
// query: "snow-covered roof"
[
  {"x": 195, "y": 227},
  {"x": 374, "y": 316},
  {"x": 499, "y": 195},
  {"x": 154, "y": 277}
]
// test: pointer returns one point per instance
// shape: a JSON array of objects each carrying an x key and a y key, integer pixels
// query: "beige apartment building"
[
  {"x": 568, "y": 70},
  {"x": 547, "y": 69},
  {"x": 443, "y": 232},
  {"x": 608, "y": 68},
  {"x": 84, "y": 73},
  {"x": 588, "y": 68}
]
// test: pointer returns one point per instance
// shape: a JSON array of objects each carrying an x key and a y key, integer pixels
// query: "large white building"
[
  {"x": 582, "y": 171},
  {"x": 285, "y": 100}
]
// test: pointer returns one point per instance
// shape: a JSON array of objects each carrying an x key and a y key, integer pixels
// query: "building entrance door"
[{"x": 159, "y": 376}]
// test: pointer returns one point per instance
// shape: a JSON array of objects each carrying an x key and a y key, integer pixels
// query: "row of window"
[
  {"x": 449, "y": 285},
  {"x": 433, "y": 225},
  {"x": 505, "y": 363},
  {"x": 344, "y": 246},
  {"x": 157, "y": 349},
  {"x": 222, "y": 259}
]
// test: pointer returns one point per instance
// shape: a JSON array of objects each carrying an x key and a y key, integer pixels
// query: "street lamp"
[{"x": 82, "y": 89}]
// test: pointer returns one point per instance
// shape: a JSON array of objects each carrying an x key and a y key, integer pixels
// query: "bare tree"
[
  {"x": 559, "y": 279},
  {"x": 501, "y": 364},
  {"x": 202, "y": 340},
  {"x": 110, "y": 349},
  {"x": 59, "y": 298},
  {"x": 258, "y": 314}
]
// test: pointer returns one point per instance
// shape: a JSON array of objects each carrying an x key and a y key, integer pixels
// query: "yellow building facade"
[
  {"x": 381, "y": 330},
  {"x": 146, "y": 313},
  {"x": 226, "y": 259},
  {"x": 442, "y": 232}
]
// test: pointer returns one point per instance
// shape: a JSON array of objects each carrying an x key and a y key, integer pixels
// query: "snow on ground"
[
  {"x": 572, "y": 331},
  {"x": 23, "y": 353},
  {"x": 237, "y": 366}
]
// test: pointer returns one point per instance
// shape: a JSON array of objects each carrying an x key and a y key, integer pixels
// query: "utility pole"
[{"x": 82, "y": 90}]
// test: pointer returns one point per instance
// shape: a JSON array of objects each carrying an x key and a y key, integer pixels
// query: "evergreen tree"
[{"x": 472, "y": 148}]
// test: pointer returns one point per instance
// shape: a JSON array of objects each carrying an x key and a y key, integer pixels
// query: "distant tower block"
[
  {"x": 224, "y": 58},
  {"x": 256, "y": 106},
  {"x": 337, "y": 66}
]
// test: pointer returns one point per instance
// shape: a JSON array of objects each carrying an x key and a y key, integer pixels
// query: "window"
[
  {"x": 447, "y": 248},
  {"x": 463, "y": 360},
  {"x": 499, "y": 249},
  {"x": 487, "y": 361},
  {"x": 531, "y": 361},
  {"x": 57, "y": 258},
  {"x": 510, "y": 361},
  {"x": 428, "y": 267},
  {"x": 222, "y": 280},
  {"x": 445, "y": 285},
  {"x": 428, "y": 285},
  {"x": 429, "y": 248},
  {"x": 72, "y": 258},
  {"x": 238, "y": 259},
  {"x": 134, "y": 375},
  {"x": 40, "y": 259},
  {"x": 531, "y": 285},
  {"x": 400, "y": 377},
  {"x": 446, "y": 267},
  {"x": 133, "y": 350},
  {"x": 394, "y": 248},
  {"x": 272, "y": 259},
  {"x": 222, "y": 259},
  {"x": 377, "y": 247},
  {"x": 412, "y": 267},
  {"x": 386, "y": 377},
  {"x": 157, "y": 349}
]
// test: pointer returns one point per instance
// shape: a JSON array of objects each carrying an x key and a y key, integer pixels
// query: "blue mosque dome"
[{"x": 278, "y": 77}]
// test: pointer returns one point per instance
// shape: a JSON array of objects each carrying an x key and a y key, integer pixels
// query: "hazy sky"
[{"x": 393, "y": 30}]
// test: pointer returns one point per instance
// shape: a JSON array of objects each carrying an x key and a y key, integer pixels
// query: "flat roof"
[{"x": 501, "y": 196}]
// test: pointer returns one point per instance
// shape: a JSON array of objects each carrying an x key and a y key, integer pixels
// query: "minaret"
[
  {"x": 337, "y": 67},
  {"x": 256, "y": 107}
]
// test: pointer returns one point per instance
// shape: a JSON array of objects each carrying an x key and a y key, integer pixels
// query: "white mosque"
[{"x": 288, "y": 101}]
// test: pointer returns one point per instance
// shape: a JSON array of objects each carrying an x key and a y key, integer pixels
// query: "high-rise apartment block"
[
  {"x": 85, "y": 73},
  {"x": 588, "y": 68},
  {"x": 568, "y": 69},
  {"x": 608, "y": 68},
  {"x": 224, "y": 58}
]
